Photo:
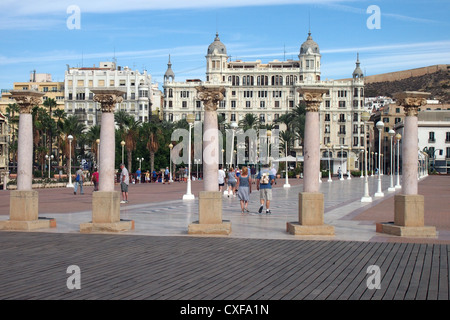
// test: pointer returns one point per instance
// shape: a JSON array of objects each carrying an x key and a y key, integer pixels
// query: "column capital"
[
  {"x": 210, "y": 95},
  {"x": 26, "y": 99},
  {"x": 411, "y": 101},
  {"x": 108, "y": 98},
  {"x": 313, "y": 97}
]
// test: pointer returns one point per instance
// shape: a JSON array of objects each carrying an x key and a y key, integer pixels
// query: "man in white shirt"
[
  {"x": 221, "y": 178},
  {"x": 124, "y": 182}
]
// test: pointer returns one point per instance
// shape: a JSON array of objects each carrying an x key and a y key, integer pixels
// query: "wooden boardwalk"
[{"x": 34, "y": 266}]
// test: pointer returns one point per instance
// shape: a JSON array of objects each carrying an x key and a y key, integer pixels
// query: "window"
[
  {"x": 327, "y": 128},
  {"x": 447, "y": 137},
  {"x": 184, "y": 104},
  {"x": 327, "y": 104},
  {"x": 233, "y": 117},
  {"x": 447, "y": 153},
  {"x": 342, "y": 129},
  {"x": 355, "y": 117},
  {"x": 355, "y": 128},
  {"x": 341, "y": 117},
  {"x": 431, "y": 137},
  {"x": 233, "y": 104},
  {"x": 262, "y": 104},
  {"x": 342, "y": 104},
  {"x": 277, "y": 104},
  {"x": 262, "y": 118},
  {"x": 248, "y": 104},
  {"x": 327, "y": 117},
  {"x": 198, "y": 104},
  {"x": 355, "y": 141},
  {"x": 386, "y": 120}
]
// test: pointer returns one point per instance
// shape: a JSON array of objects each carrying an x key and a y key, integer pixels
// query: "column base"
[
  {"x": 297, "y": 229},
  {"x": 286, "y": 185},
  {"x": 106, "y": 214},
  {"x": 366, "y": 199},
  {"x": 402, "y": 231},
  {"x": 210, "y": 215},
  {"x": 408, "y": 218},
  {"x": 120, "y": 226},
  {"x": 40, "y": 223},
  {"x": 223, "y": 228}
]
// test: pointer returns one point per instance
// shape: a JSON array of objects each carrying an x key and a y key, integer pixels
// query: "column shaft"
[
  {"x": 25, "y": 152},
  {"x": 311, "y": 152},
  {"x": 107, "y": 152}
]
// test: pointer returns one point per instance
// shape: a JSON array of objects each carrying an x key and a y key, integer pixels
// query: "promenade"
[{"x": 258, "y": 260}]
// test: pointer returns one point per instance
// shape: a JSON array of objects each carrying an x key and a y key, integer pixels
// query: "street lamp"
[
  {"x": 286, "y": 185},
  {"x": 329, "y": 165},
  {"x": 349, "y": 175},
  {"x": 398, "y": 137},
  {"x": 233, "y": 126},
  {"x": 372, "y": 160},
  {"x": 342, "y": 163},
  {"x": 380, "y": 126},
  {"x": 49, "y": 158},
  {"x": 391, "y": 187},
  {"x": 122, "y": 143},
  {"x": 189, "y": 196},
  {"x": 70, "y": 138},
  {"x": 366, "y": 198},
  {"x": 382, "y": 164},
  {"x": 269, "y": 134},
  {"x": 98, "y": 153},
  {"x": 170, "y": 162}
]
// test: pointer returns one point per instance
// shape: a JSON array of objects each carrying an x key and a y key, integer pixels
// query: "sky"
[{"x": 48, "y": 35}]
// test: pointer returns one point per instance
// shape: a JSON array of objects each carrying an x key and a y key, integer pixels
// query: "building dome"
[
  {"x": 309, "y": 44},
  {"x": 217, "y": 44}
]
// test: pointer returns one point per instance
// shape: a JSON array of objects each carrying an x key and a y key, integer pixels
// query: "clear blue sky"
[{"x": 142, "y": 33}]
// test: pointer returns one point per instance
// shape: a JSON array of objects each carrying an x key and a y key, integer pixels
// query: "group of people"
[
  {"x": 240, "y": 182},
  {"x": 155, "y": 176}
]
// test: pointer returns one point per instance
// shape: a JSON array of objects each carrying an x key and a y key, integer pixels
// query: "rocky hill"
[{"x": 435, "y": 79}]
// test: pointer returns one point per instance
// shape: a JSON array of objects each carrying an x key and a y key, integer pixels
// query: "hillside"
[{"x": 435, "y": 80}]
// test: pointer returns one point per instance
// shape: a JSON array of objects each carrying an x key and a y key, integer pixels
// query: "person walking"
[
  {"x": 221, "y": 178},
  {"x": 95, "y": 179},
  {"x": 231, "y": 182},
  {"x": 79, "y": 181},
  {"x": 264, "y": 181},
  {"x": 244, "y": 186},
  {"x": 124, "y": 182}
]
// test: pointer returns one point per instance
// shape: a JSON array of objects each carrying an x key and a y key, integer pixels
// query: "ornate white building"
[
  {"x": 78, "y": 97},
  {"x": 269, "y": 90}
]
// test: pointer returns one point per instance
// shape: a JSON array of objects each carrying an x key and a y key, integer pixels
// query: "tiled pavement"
[{"x": 158, "y": 260}]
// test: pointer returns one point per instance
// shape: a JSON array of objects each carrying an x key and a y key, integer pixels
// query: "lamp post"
[
  {"x": 170, "y": 162},
  {"x": 122, "y": 143},
  {"x": 70, "y": 185},
  {"x": 380, "y": 126},
  {"x": 372, "y": 160},
  {"x": 381, "y": 164},
  {"x": 233, "y": 126},
  {"x": 223, "y": 160},
  {"x": 98, "y": 153},
  {"x": 391, "y": 187},
  {"x": 349, "y": 175},
  {"x": 342, "y": 163},
  {"x": 269, "y": 134},
  {"x": 189, "y": 196},
  {"x": 398, "y": 137},
  {"x": 286, "y": 185},
  {"x": 329, "y": 165},
  {"x": 49, "y": 158},
  {"x": 366, "y": 198}
]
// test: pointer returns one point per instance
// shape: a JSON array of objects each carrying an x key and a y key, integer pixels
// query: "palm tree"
[
  {"x": 60, "y": 116},
  {"x": 50, "y": 103},
  {"x": 150, "y": 131},
  {"x": 250, "y": 121},
  {"x": 71, "y": 126},
  {"x": 129, "y": 131},
  {"x": 12, "y": 114},
  {"x": 91, "y": 139}
]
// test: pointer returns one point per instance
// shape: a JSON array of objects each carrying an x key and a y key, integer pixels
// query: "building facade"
[
  {"x": 269, "y": 90},
  {"x": 78, "y": 83}
]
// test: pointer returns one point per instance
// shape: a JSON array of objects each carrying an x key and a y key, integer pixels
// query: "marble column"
[
  {"x": 24, "y": 208},
  {"x": 210, "y": 200},
  {"x": 311, "y": 203},
  {"x": 106, "y": 201},
  {"x": 408, "y": 205}
]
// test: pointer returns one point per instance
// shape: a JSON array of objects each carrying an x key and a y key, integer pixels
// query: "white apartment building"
[
  {"x": 78, "y": 83},
  {"x": 269, "y": 90}
]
